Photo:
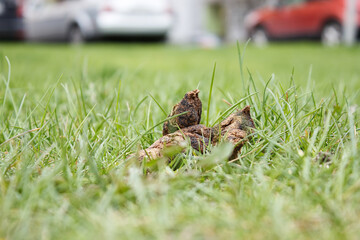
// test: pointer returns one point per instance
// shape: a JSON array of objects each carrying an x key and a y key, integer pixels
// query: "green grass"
[{"x": 69, "y": 117}]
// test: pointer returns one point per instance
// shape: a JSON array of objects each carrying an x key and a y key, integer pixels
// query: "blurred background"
[{"x": 207, "y": 23}]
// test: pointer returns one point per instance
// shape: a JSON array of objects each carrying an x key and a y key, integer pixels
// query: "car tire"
[
  {"x": 161, "y": 37},
  {"x": 259, "y": 37},
  {"x": 75, "y": 35},
  {"x": 331, "y": 34}
]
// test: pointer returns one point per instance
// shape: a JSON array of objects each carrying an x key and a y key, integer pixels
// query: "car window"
[
  {"x": 54, "y": 1},
  {"x": 290, "y": 2}
]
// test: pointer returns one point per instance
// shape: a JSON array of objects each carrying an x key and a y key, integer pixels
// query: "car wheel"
[
  {"x": 76, "y": 36},
  {"x": 331, "y": 34},
  {"x": 161, "y": 37},
  {"x": 259, "y": 37}
]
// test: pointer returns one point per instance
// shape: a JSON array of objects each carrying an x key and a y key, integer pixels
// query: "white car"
[{"x": 80, "y": 20}]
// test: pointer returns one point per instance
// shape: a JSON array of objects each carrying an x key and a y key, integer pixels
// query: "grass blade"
[
  {"x": 158, "y": 104},
  {"x": 210, "y": 94},
  {"x": 230, "y": 109}
]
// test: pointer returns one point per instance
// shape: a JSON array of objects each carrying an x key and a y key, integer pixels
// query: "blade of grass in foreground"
[
  {"x": 230, "y": 109},
  {"x": 7, "y": 87},
  {"x": 133, "y": 142},
  {"x": 210, "y": 93},
  {"x": 241, "y": 62},
  {"x": 158, "y": 104}
]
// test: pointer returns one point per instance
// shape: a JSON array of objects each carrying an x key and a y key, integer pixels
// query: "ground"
[{"x": 70, "y": 116}]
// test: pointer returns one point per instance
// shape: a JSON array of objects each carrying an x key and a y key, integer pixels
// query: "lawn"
[{"x": 70, "y": 116}]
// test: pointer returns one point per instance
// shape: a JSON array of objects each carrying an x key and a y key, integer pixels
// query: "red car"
[{"x": 322, "y": 19}]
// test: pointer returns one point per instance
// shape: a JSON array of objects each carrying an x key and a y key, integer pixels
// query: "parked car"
[
  {"x": 11, "y": 19},
  {"x": 322, "y": 19},
  {"x": 81, "y": 20}
]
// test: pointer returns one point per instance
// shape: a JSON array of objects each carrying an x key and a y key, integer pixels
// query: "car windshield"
[{"x": 289, "y": 2}]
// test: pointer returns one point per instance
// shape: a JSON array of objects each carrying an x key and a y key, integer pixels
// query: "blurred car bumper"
[
  {"x": 128, "y": 24},
  {"x": 11, "y": 29}
]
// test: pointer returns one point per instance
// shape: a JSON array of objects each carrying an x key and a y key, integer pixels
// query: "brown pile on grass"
[{"x": 185, "y": 129}]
